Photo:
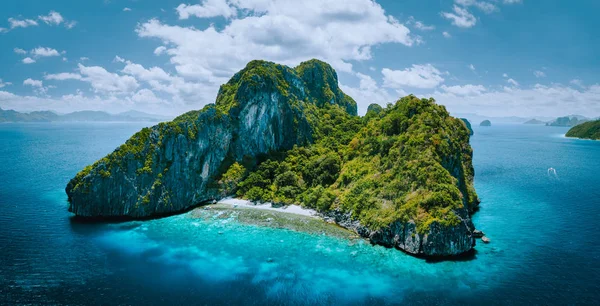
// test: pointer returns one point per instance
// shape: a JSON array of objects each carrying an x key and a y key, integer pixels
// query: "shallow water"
[{"x": 543, "y": 228}]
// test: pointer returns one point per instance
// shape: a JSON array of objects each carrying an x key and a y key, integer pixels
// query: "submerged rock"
[{"x": 485, "y": 239}]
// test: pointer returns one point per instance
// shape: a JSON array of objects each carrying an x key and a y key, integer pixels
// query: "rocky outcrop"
[
  {"x": 485, "y": 123},
  {"x": 439, "y": 241},
  {"x": 174, "y": 166},
  {"x": 468, "y": 124}
]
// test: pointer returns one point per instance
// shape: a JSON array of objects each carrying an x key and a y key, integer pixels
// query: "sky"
[{"x": 491, "y": 57}]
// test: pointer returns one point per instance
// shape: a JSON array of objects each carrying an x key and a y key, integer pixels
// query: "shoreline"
[{"x": 290, "y": 209}]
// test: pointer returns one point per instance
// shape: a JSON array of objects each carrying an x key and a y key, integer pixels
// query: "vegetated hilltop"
[{"x": 401, "y": 176}]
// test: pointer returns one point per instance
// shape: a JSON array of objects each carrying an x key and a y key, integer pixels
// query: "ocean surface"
[{"x": 544, "y": 231}]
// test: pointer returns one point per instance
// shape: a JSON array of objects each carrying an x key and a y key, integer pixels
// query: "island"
[
  {"x": 587, "y": 130},
  {"x": 80, "y": 116},
  {"x": 567, "y": 121},
  {"x": 533, "y": 121},
  {"x": 485, "y": 123},
  {"x": 401, "y": 177}
]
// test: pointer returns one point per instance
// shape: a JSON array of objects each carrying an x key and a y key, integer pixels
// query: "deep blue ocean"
[{"x": 544, "y": 231}]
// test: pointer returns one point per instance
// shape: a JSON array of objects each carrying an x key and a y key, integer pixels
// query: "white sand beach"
[{"x": 292, "y": 209}]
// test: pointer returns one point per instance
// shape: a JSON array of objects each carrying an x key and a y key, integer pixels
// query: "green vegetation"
[
  {"x": 411, "y": 163},
  {"x": 587, "y": 130},
  {"x": 485, "y": 123}
]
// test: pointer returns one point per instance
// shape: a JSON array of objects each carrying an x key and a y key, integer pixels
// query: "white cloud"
[
  {"x": 146, "y": 96},
  {"x": 63, "y": 76},
  {"x": 465, "y": 90},
  {"x": 419, "y": 25},
  {"x": 577, "y": 82},
  {"x": 28, "y": 60},
  {"x": 33, "y": 83},
  {"x": 334, "y": 31},
  {"x": 207, "y": 9},
  {"x": 118, "y": 59},
  {"x": 71, "y": 24},
  {"x": 504, "y": 75},
  {"x": 16, "y": 23},
  {"x": 461, "y": 17},
  {"x": 368, "y": 92},
  {"x": 539, "y": 74},
  {"x": 53, "y": 18},
  {"x": 446, "y": 34},
  {"x": 103, "y": 81},
  {"x": 160, "y": 50},
  {"x": 44, "y": 52},
  {"x": 486, "y": 7},
  {"x": 418, "y": 76},
  {"x": 83, "y": 59},
  {"x": 472, "y": 67},
  {"x": 126, "y": 9},
  {"x": 512, "y": 1},
  {"x": 3, "y": 30},
  {"x": 19, "y": 51},
  {"x": 512, "y": 82},
  {"x": 538, "y": 100},
  {"x": 4, "y": 84}
]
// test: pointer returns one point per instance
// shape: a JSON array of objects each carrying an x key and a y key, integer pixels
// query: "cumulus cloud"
[
  {"x": 28, "y": 60},
  {"x": 160, "y": 50},
  {"x": 53, "y": 18},
  {"x": 539, "y": 74},
  {"x": 327, "y": 30},
  {"x": 417, "y": 76},
  {"x": 367, "y": 92},
  {"x": 512, "y": 82},
  {"x": 446, "y": 34},
  {"x": 208, "y": 8},
  {"x": 126, "y": 9},
  {"x": 19, "y": 51},
  {"x": 25, "y": 23},
  {"x": 486, "y": 7},
  {"x": 460, "y": 17},
  {"x": 33, "y": 83},
  {"x": 63, "y": 76},
  {"x": 472, "y": 67},
  {"x": 44, "y": 52},
  {"x": 464, "y": 90},
  {"x": 540, "y": 100},
  {"x": 103, "y": 81}
]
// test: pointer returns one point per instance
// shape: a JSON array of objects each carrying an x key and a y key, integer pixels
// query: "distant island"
[
  {"x": 534, "y": 121},
  {"x": 568, "y": 121},
  {"x": 402, "y": 176},
  {"x": 586, "y": 130},
  {"x": 485, "y": 123},
  {"x": 81, "y": 116}
]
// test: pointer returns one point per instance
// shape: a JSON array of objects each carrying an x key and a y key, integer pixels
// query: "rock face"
[
  {"x": 468, "y": 124},
  {"x": 440, "y": 241},
  {"x": 268, "y": 108}
]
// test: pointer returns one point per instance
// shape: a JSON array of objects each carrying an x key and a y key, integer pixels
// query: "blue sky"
[{"x": 492, "y": 57}]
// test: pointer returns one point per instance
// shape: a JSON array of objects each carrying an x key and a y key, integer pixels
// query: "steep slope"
[
  {"x": 401, "y": 176},
  {"x": 587, "y": 130}
]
